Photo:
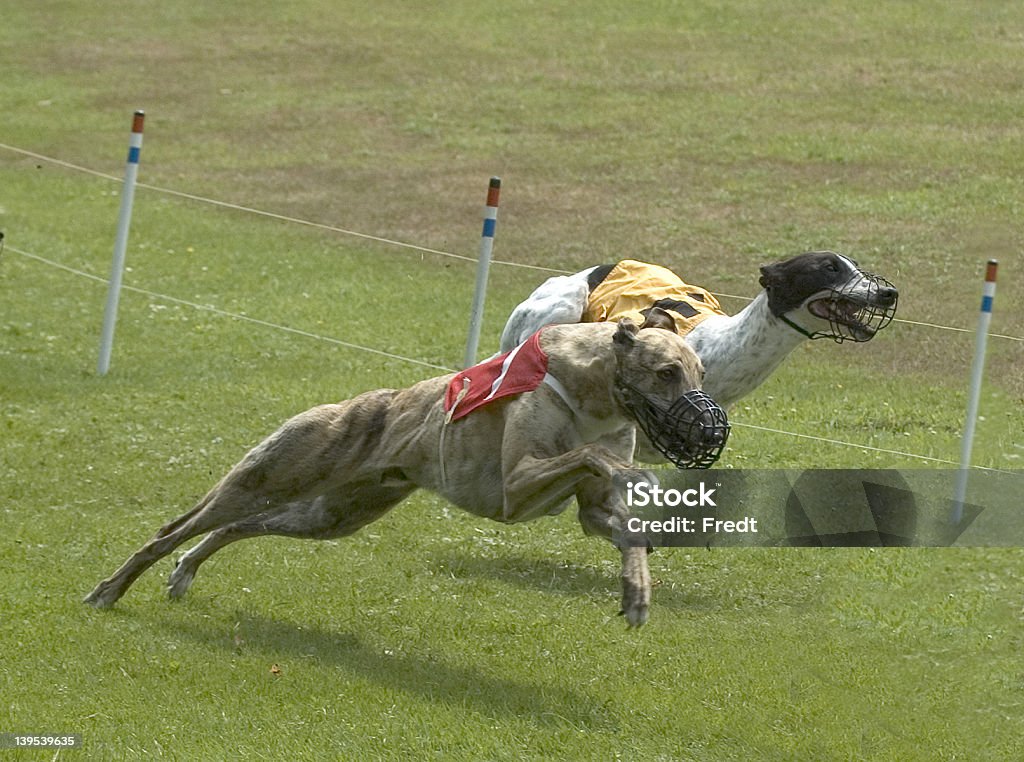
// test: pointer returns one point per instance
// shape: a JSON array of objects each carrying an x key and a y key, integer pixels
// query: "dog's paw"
[
  {"x": 101, "y": 597},
  {"x": 636, "y": 603},
  {"x": 636, "y": 615},
  {"x": 180, "y": 580}
]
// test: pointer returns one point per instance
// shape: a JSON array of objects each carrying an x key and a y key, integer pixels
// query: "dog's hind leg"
[
  {"x": 226, "y": 503},
  {"x": 207, "y": 515},
  {"x": 603, "y": 512},
  {"x": 334, "y": 514},
  {"x": 299, "y": 461}
]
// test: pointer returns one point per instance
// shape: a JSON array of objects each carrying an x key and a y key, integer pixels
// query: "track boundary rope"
[
  {"x": 383, "y": 240},
  {"x": 273, "y": 215},
  {"x": 225, "y": 313}
]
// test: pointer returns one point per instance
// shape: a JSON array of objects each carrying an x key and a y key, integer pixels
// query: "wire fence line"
[
  {"x": 272, "y": 215},
  {"x": 389, "y": 241},
  {"x": 412, "y": 360},
  {"x": 225, "y": 313},
  {"x": 872, "y": 448}
]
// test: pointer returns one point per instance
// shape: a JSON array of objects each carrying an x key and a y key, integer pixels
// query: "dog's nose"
[
  {"x": 887, "y": 294},
  {"x": 713, "y": 437}
]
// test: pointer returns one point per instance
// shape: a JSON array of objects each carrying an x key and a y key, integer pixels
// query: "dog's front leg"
[
  {"x": 603, "y": 512},
  {"x": 636, "y": 585},
  {"x": 537, "y": 486}
]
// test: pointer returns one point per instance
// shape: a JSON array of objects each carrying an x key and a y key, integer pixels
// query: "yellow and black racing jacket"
[{"x": 631, "y": 288}]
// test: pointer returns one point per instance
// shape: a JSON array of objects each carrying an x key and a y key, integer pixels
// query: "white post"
[
  {"x": 977, "y": 368},
  {"x": 476, "y": 313},
  {"x": 124, "y": 219}
]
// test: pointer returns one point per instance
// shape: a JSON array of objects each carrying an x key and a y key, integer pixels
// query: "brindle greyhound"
[{"x": 335, "y": 468}]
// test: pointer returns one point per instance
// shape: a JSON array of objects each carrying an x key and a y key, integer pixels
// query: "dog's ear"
[
  {"x": 625, "y": 336},
  {"x": 788, "y": 284},
  {"x": 656, "y": 317},
  {"x": 769, "y": 275}
]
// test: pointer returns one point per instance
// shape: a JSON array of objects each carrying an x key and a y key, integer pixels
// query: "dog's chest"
[
  {"x": 590, "y": 428},
  {"x": 586, "y": 425}
]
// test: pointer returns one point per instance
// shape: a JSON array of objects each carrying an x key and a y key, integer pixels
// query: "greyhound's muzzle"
[
  {"x": 691, "y": 432},
  {"x": 858, "y": 310}
]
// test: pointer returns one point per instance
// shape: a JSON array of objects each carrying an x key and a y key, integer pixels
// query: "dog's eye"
[{"x": 668, "y": 374}]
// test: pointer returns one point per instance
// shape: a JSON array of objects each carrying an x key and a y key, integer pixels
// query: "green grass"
[{"x": 711, "y": 140}]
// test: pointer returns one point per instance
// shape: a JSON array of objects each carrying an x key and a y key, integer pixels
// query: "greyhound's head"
[
  {"x": 657, "y": 382},
  {"x": 824, "y": 294}
]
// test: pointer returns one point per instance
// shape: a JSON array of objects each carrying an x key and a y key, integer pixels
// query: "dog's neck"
[
  {"x": 740, "y": 351},
  {"x": 562, "y": 392},
  {"x": 587, "y": 395}
]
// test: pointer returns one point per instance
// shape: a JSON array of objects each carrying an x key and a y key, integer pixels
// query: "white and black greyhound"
[{"x": 812, "y": 295}]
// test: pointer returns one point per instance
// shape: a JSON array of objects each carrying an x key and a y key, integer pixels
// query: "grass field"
[{"x": 709, "y": 139}]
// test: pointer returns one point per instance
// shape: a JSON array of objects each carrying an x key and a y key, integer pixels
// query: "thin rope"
[
  {"x": 235, "y": 315},
  {"x": 862, "y": 447},
  {"x": 959, "y": 330},
  {"x": 274, "y": 215},
  {"x": 390, "y": 241}
]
